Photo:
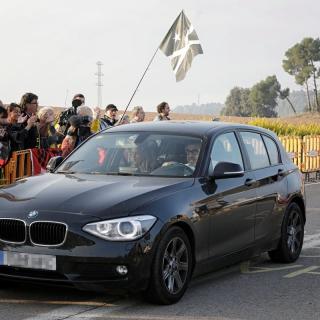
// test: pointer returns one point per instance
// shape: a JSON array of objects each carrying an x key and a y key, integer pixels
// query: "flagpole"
[{"x": 145, "y": 71}]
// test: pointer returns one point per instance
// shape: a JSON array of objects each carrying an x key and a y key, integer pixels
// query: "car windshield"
[{"x": 136, "y": 153}]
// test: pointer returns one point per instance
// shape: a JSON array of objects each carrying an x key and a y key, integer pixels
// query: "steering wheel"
[{"x": 175, "y": 168}]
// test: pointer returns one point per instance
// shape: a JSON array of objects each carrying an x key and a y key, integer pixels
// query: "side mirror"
[
  {"x": 225, "y": 170},
  {"x": 53, "y": 163}
]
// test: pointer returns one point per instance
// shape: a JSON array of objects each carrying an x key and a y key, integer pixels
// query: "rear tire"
[
  {"x": 172, "y": 268},
  {"x": 292, "y": 233}
]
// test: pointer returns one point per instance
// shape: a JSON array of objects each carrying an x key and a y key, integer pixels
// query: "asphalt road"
[{"x": 254, "y": 290}]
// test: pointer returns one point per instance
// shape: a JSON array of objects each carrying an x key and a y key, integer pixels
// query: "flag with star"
[{"x": 181, "y": 45}]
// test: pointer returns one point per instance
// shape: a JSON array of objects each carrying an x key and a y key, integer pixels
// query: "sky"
[{"x": 51, "y": 48}]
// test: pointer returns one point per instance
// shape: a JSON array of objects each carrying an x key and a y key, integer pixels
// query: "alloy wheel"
[
  {"x": 175, "y": 265},
  {"x": 294, "y": 232}
]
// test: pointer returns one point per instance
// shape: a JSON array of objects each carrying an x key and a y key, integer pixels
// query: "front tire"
[
  {"x": 172, "y": 268},
  {"x": 292, "y": 233}
]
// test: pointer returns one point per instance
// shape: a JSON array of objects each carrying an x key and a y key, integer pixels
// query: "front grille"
[
  {"x": 47, "y": 233},
  {"x": 12, "y": 230}
]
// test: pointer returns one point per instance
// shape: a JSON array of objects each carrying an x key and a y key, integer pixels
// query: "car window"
[
  {"x": 136, "y": 153},
  {"x": 272, "y": 150},
  {"x": 256, "y": 150},
  {"x": 225, "y": 148}
]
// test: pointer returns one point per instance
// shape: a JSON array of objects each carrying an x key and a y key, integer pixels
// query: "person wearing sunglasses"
[{"x": 192, "y": 152}]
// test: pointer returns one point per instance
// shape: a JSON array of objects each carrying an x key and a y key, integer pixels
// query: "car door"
[
  {"x": 230, "y": 202},
  {"x": 269, "y": 173}
]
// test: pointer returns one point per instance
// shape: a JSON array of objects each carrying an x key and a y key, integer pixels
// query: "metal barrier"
[
  {"x": 311, "y": 154},
  {"x": 294, "y": 147},
  {"x": 18, "y": 167}
]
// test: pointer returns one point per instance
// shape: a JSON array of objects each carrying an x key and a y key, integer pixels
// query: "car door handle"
[
  {"x": 280, "y": 172},
  {"x": 250, "y": 182}
]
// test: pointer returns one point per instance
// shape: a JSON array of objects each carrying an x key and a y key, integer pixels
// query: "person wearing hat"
[{"x": 109, "y": 118}]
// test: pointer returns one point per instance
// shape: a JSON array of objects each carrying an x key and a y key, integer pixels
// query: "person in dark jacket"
[
  {"x": 110, "y": 117},
  {"x": 29, "y": 108},
  {"x": 12, "y": 133}
]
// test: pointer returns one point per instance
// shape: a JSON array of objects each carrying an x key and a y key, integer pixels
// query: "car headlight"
[{"x": 123, "y": 229}]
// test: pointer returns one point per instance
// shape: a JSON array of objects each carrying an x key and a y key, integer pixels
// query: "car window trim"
[
  {"x": 279, "y": 156},
  {"x": 246, "y": 153}
]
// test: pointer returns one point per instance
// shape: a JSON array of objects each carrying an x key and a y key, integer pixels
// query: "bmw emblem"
[{"x": 33, "y": 214}]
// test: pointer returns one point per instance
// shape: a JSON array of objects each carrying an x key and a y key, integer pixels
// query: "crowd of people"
[{"x": 26, "y": 126}]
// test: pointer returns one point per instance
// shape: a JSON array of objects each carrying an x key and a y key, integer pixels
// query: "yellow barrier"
[
  {"x": 311, "y": 154},
  {"x": 294, "y": 147},
  {"x": 18, "y": 167}
]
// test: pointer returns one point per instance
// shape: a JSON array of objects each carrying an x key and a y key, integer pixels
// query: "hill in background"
[
  {"x": 299, "y": 101},
  {"x": 212, "y": 108}
]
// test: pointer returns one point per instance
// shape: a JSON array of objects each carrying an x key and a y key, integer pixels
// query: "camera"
[
  {"x": 85, "y": 120},
  {"x": 78, "y": 121},
  {"x": 76, "y": 103}
]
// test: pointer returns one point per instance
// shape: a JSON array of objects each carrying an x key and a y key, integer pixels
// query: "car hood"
[{"x": 101, "y": 196}]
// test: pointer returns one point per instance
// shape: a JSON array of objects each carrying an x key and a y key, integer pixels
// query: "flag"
[{"x": 181, "y": 45}]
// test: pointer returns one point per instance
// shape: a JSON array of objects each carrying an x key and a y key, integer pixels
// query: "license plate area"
[{"x": 28, "y": 260}]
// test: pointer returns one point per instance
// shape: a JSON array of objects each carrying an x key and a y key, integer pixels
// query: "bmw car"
[{"x": 147, "y": 206}]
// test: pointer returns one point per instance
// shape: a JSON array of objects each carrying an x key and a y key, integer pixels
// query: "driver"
[{"x": 192, "y": 151}]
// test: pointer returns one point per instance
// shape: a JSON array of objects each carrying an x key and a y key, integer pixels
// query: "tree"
[
  {"x": 263, "y": 97},
  {"x": 311, "y": 48},
  {"x": 301, "y": 62},
  {"x": 237, "y": 103},
  {"x": 284, "y": 94}
]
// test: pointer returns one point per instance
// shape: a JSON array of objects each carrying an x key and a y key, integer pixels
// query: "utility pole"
[{"x": 99, "y": 84}]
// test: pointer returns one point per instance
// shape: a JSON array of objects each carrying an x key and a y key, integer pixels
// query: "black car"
[{"x": 144, "y": 207}]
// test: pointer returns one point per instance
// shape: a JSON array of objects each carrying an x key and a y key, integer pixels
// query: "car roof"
[{"x": 185, "y": 127}]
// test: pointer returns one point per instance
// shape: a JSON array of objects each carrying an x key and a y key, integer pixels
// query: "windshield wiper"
[
  {"x": 120, "y": 174},
  {"x": 66, "y": 171}
]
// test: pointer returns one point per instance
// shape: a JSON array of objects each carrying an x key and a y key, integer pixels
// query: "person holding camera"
[
  {"x": 63, "y": 122},
  {"x": 79, "y": 130}
]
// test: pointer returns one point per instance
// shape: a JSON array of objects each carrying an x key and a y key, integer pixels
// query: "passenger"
[
  {"x": 145, "y": 157},
  {"x": 137, "y": 115},
  {"x": 109, "y": 119},
  {"x": 63, "y": 122},
  {"x": 29, "y": 107},
  {"x": 163, "y": 110}
]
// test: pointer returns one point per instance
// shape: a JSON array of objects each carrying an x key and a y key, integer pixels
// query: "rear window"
[
  {"x": 256, "y": 150},
  {"x": 272, "y": 150}
]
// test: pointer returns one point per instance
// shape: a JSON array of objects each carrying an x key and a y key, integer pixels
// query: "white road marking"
[
  {"x": 311, "y": 241},
  {"x": 302, "y": 271},
  {"x": 245, "y": 268},
  {"x": 77, "y": 312},
  {"x": 150, "y": 317},
  {"x": 55, "y": 302},
  {"x": 311, "y": 184}
]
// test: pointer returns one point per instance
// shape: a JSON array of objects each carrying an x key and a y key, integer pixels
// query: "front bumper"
[{"x": 89, "y": 263}]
